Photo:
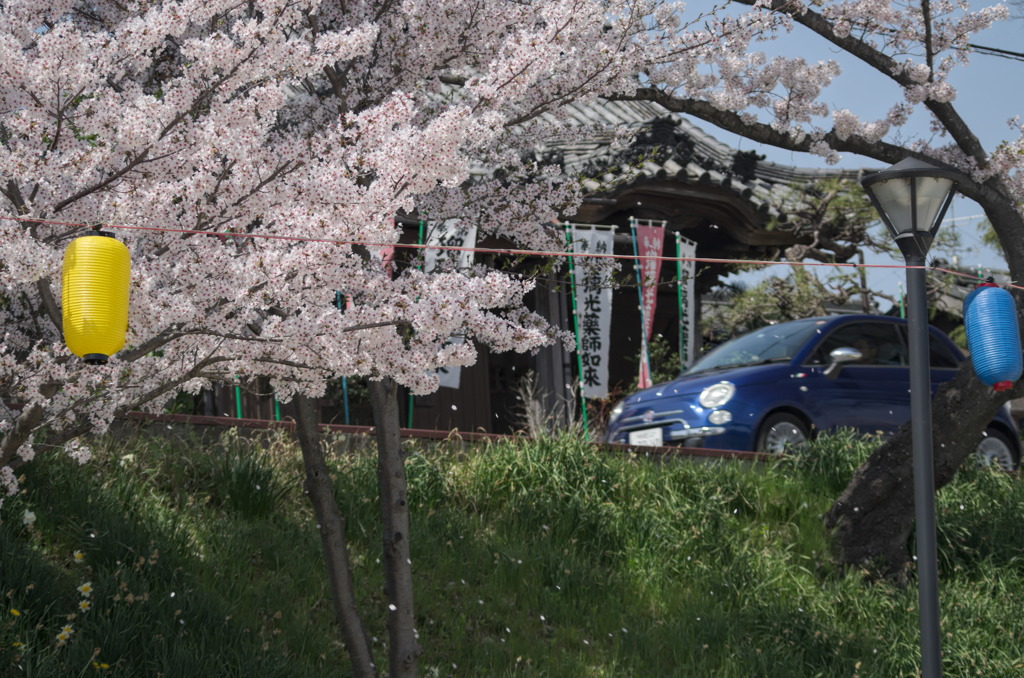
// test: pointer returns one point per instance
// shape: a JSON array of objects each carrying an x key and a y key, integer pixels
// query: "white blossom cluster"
[
  {"x": 172, "y": 122},
  {"x": 728, "y": 68}
]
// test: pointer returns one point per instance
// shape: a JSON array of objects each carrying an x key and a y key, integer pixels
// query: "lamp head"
[{"x": 912, "y": 197}]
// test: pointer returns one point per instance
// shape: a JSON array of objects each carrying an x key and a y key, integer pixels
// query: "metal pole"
[
  {"x": 412, "y": 398},
  {"x": 679, "y": 303},
  {"x": 576, "y": 326},
  {"x": 924, "y": 469},
  {"x": 344, "y": 381}
]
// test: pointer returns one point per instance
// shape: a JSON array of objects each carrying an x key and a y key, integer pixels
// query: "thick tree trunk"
[
  {"x": 871, "y": 522},
  {"x": 394, "y": 513},
  {"x": 28, "y": 421},
  {"x": 331, "y": 525},
  {"x": 24, "y": 425}
]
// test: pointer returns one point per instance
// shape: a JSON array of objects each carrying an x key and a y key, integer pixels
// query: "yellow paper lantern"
[{"x": 95, "y": 288}]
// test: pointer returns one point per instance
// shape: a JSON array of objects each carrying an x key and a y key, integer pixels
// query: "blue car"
[{"x": 777, "y": 386}]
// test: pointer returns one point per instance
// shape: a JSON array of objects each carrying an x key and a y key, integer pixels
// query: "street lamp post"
[{"x": 912, "y": 197}]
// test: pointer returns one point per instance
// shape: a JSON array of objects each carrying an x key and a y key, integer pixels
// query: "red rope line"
[{"x": 492, "y": 250}]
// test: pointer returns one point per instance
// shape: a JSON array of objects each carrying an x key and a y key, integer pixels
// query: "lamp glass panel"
[
  {"x": 894, "y": 197},
  {"x": 931, "y": 196}
]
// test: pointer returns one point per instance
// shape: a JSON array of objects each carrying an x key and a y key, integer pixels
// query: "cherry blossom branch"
[
  {"x": 50, "y": 304},
  {"x": 172, "y": 384},
  {"x": 153, "y": 344},
  {"x": 887, "y": 66},
  {"x": 13, "y": 193},
  {"x": 368, "y": 326},
  {"x": 204, "y": 97},
  {"x": 929, "y": 59},
  {"x": 762, "y": 132},
  {"x": 132, "y": 164},
  {"x": 992, "y": 194}
]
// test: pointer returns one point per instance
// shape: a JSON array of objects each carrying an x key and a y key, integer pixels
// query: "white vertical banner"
[
  {"x": 689, "y": 340},
  {"x": 593, "y": 307},
  {"x": 449, "y": 233}
]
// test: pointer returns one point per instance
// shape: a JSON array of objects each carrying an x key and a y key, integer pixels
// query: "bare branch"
[
  {"x": 171, "y": 385},
  {"x": 367, "y": 326},
  {"x": 50, "y": 304},
  {"x": 154, "y": 343}
]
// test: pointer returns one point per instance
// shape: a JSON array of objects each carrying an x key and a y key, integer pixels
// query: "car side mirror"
[{"x": 840, "y": 357}]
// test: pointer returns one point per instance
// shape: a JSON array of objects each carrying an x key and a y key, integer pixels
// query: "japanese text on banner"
[
  {"x": 689, "y": 340},
  {"x": 650, "y": 244},
  {"x": 593, "y": 309}
]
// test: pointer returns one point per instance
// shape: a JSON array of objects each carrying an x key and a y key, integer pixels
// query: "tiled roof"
[{"x": 667, "y": 146}]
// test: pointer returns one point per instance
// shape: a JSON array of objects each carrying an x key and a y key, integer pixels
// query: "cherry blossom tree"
[
  {"x": 781, "y": 101},
  {"x": 253, "y": 156}
]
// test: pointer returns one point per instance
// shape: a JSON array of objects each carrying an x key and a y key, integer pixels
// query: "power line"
[
  {"x": 996, "y": 52},
  {"x": 492, "y": 250}
]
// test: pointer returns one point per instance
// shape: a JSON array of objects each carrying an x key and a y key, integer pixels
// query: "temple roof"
[
  {"x": 641, "y": 161},
  {"x": 667, "y": 146}
]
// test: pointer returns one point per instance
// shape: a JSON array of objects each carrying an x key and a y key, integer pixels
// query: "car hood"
[{"x": 692, "y": 385}]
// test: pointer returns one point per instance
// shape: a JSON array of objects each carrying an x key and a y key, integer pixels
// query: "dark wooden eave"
[{"x": 723, "y": 198}]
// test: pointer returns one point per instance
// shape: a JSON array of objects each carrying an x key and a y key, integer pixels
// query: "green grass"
[{"x": 530, "y": 559}]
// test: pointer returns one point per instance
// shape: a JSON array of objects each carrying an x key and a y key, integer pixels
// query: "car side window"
[
  {"x": 939, "y": 354},
  {"x": 878, "y": 343}
]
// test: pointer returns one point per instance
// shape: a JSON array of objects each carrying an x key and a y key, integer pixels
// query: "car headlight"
[
  {"x": 717, "y": 395},
  {"x": 616, "y": 412}
]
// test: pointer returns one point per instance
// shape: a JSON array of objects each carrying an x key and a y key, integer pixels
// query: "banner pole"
[
  {"x": 408, "y": 418},
  {"x": 576, "y": 327},
  {"x": 344, "y": 380},
  {"x": 679, "y": 302},
  {"x": 344, "y": 397}
]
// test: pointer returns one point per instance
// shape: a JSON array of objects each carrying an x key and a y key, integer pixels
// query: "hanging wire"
[{"x": 506, "y": 251}]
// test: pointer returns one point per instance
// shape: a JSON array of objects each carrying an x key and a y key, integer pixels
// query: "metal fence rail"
[{"x": 424, "y": 434}]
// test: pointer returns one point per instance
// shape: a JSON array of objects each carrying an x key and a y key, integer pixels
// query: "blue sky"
[{"x": 990, "y": 91}]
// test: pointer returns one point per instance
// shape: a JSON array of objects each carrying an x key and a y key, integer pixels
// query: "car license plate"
[{"x": 648, "y": 437}]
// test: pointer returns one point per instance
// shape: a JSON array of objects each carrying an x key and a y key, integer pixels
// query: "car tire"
[
  {"x": 996, "y": 449},
  {"x": 782, "y": 432}
]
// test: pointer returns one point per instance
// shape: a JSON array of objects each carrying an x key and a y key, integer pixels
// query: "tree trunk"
[
  {"x": 28, "y": 421},
  {"x": 331, "y": 525},
  {"x": 872, "y": 520},
  {"x": 394, "y": 513},
  {"x": 24, "y": 425}
]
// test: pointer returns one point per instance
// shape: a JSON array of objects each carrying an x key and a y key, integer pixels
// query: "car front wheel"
[
  {"x": 782, "y": 432},
  {"x": 995, "y": 449}
]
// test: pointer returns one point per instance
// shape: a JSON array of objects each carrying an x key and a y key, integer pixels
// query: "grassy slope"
[{"x": 543, "y": 559}]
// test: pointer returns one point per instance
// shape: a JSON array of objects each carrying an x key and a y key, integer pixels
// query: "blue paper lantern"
[{"x": 993, "y": 337}]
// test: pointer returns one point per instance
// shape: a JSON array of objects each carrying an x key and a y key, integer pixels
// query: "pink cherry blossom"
[{"x": 287, "y": 120}]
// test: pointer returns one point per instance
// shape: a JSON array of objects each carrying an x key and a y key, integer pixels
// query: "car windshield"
[{"x": 775, "y": 343}]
